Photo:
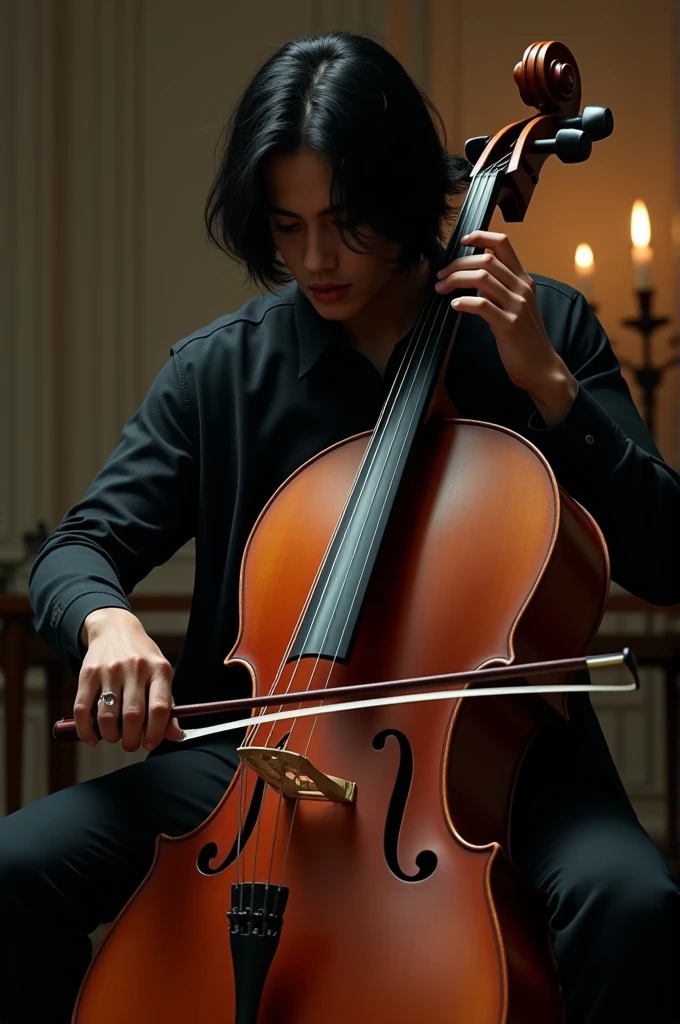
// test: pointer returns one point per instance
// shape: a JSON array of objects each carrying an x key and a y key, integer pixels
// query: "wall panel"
[
  {"x": 101, "y": 180},
  {"x": 26, "y": 164}
]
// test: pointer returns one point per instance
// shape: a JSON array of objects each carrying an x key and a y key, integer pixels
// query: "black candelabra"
[{"x": 647, "y": 373}]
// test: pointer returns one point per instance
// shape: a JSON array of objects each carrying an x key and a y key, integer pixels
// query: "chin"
[{"x": 338, "y": 310}]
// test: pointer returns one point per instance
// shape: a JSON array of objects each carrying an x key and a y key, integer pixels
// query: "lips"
[{"x": 329, "y": 292}]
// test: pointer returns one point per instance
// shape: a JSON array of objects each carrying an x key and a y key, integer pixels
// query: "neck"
[{"x": 391, "y": 314}]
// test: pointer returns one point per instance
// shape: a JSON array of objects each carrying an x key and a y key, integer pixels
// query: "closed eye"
[{"x": 286, "y": 228}]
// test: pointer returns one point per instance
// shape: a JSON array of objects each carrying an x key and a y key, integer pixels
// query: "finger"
[
  {"x": 173, "y": 731},
  {"x": 484, "y": 261},
  {"x": 160, "y": 706},
  {"x": 134, "y": 708},
  {"x": 109, "y": 703},
  {"x": 500, "y": 246},
  {"x": 498, "y": 319},
  {"x": 84, "y": 705},
  {"x": 485, "y": 282}
]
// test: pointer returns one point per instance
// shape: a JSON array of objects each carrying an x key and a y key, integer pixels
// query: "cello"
[{"x": 357, "y": 867}]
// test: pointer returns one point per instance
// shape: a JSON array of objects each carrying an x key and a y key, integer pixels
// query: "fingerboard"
[{"x": 329, "y": 624}]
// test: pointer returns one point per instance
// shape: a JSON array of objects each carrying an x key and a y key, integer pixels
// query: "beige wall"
[{"x": 108, "y": 131}]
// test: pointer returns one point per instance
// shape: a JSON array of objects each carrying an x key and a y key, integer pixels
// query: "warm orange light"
[
  {"x": 584, "y": 264},
  {"x": 640, "y": 228},
  {"x": 641, "y": 253},
  {"x": 584, "y": 259}
]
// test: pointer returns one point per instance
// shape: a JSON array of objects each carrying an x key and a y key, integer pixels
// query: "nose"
[{"x": 320, "y": 251}]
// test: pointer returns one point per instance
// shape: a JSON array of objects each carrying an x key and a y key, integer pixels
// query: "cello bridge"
[{"x": 294, "y": 776}]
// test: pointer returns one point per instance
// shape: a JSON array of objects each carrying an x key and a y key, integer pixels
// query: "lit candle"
[
  {"x": 641, "y": 253},
  {"x": 584, "y": 265}
]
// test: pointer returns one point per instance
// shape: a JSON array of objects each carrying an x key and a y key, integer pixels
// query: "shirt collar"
[{"x": 314, "y": 333}]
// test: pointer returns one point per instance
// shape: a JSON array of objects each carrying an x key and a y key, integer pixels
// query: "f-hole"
[
  {"x": 209, "y": 851},
  {"x": 426, "y": 860}
]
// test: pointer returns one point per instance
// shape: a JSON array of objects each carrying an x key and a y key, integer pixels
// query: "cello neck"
[{"x": 328, "y": 627}]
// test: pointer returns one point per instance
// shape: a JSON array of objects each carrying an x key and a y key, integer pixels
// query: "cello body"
[{"x": 403, "y": 904}]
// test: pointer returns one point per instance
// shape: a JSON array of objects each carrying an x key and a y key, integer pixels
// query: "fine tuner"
[{"x": 573, "y": 140}]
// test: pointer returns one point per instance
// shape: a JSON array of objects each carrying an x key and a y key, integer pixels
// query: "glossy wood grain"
[{"x": 479, "y": 533}]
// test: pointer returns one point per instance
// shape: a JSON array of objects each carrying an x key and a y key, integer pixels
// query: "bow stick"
[{"x": 368, "y": 695}]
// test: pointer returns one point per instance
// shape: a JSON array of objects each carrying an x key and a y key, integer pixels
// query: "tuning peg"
[
  {"x": 598, "y": 122},
  {"x": 570, "y": 145},
  {"x": 573, "y": 142},
  {"x": 475, "y": 147}
]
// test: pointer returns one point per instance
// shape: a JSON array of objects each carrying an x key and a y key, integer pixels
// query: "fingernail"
[{"x": 183, "y": 735}]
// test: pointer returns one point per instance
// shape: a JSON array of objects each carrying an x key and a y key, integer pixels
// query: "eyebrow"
[{"x": 339, "y": 208}]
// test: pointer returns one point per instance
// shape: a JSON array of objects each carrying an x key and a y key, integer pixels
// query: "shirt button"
[{"x": 590, "y": 439}]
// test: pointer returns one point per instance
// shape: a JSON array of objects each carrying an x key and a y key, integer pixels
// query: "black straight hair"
[{"x": 346, "y": 97}]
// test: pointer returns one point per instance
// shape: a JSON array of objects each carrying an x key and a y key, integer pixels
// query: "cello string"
[
  {"x": 420, "y": 350},
  {"x": 442, "y": 308},
  {"x": 316, "y": 719},
  {"x": 241, "y": 789},
  {"x": 367, "y": 454},
  {"x": 414, "y": 349},
  {"x": 430, "y": 311},
  {"x": 276, "y": 828},
  {"x": 425, "y": 313}
]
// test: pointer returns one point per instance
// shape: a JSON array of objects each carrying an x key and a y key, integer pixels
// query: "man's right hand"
[{"x": 122, "y": 659}]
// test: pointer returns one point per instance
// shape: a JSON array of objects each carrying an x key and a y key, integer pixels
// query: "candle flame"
[
  {"x": 640, "y": 228},
  {"x": 584, "y": 256}
]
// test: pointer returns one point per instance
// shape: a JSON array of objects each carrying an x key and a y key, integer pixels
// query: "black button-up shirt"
[{"x": 245, "y": 401}]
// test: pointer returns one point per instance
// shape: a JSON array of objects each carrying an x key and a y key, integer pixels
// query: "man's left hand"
[{"x": 507, "y": 301}]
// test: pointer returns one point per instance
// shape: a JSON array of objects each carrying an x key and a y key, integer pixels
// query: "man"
[{"x": 334, "y": 175}]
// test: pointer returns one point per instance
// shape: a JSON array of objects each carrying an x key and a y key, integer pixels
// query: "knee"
[
  {"x": 633, "y": 898},
  {"x": 629, "y": 894}
]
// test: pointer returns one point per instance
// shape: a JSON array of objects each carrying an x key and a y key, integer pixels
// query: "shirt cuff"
[
  {"x": 69, "y": 621},
  {"x": 587, "y": 433}
]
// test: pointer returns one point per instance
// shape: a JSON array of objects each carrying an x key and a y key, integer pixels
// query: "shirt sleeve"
[
  {"x": 605, "y": 458},
  {"x": 138, "y": 511}
]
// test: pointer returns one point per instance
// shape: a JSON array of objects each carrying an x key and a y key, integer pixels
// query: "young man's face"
[{"x": 339, "y": 282}]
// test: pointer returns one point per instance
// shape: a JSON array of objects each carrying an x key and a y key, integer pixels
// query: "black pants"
[{"x": 70, "y": 861}]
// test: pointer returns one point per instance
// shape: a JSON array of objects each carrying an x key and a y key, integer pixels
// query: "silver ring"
[{"x": 108, "y": 698}]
